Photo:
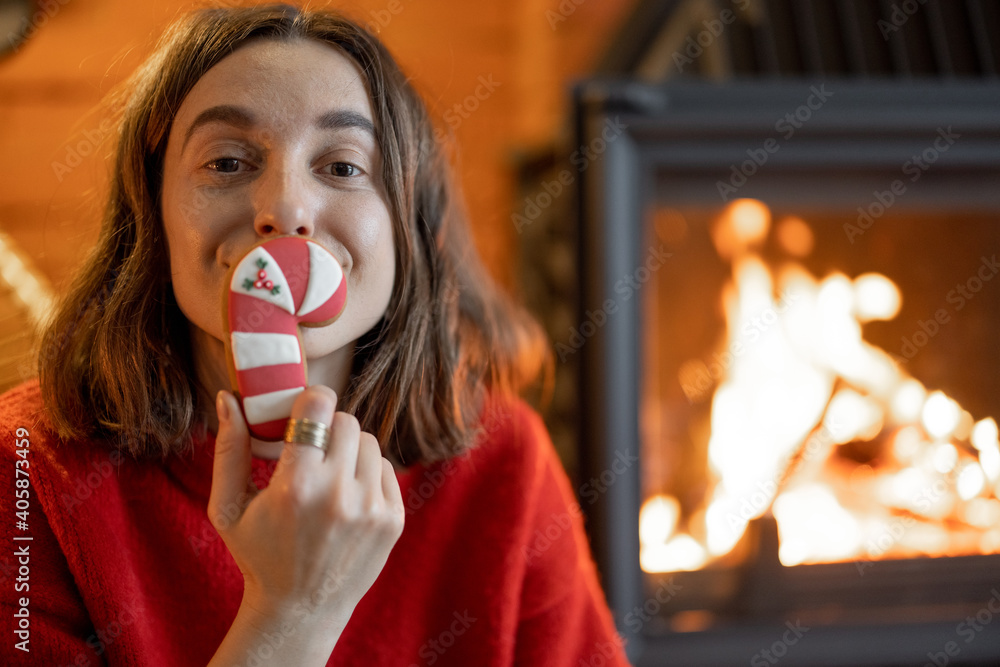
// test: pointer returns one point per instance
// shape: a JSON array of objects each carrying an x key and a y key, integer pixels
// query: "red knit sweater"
[{"x": 124, "y": 568}]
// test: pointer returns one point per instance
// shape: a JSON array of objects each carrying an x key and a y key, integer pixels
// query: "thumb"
[{"x": 231, "y": 469}]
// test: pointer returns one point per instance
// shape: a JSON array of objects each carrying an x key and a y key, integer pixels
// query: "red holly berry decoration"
[{"x": 261, "y": 283}]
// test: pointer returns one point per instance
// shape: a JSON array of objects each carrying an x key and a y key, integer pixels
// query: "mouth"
[{"x": 227, "y": 259}]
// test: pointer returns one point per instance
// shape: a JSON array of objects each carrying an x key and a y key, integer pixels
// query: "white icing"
[
  {"x": 252, "y": 350},
  {"x": 247, "y": 270},
  {"x": 270, "y": 406},
  {"x": 325, "y": 275}
]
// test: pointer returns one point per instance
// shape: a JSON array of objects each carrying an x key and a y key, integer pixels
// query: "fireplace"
[{"x": 789, "y": 316}]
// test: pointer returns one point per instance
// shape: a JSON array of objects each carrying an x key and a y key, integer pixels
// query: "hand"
[{"x": 312, "y": 543}]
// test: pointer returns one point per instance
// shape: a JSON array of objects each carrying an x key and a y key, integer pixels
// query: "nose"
[{"x": 281, "y": 205}]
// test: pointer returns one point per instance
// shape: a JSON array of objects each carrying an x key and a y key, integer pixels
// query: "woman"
[{"x": 413, "y": 536}]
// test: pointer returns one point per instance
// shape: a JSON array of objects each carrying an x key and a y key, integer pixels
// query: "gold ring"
[{"x": 308, "y": 432}]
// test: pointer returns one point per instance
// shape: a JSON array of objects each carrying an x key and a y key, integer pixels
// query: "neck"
[{"x": 332, "y": 370}]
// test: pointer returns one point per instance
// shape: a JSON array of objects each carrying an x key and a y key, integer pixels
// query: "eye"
[
  {"x": 344, "y": 169},
  {"x": 226, "y": 165}
]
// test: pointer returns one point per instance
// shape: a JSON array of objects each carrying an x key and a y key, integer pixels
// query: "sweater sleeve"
[
  {"x": 49, "y": 622},
  {"x": 564, "y": 618}
]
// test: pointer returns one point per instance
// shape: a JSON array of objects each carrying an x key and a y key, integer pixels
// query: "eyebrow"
[
  {"x": 242, "y": 119},
  {"x": 342, "y": 118},
  {"x": 224, "y": 113}
]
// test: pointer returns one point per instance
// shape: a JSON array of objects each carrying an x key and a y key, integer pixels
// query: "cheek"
[
  {"x": 192, "y": 286},
  {"x": 195, "y": 280},
  {"x": 198, "y": 225},
  {"x": 188, "y": 255},
  {"x": 372, "y": 244},
  {"x": 385, "y": 260},
  {"x": 374, "y": 233}
]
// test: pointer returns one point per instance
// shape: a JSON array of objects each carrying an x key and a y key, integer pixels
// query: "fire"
[{"x": 800, "y": 382}]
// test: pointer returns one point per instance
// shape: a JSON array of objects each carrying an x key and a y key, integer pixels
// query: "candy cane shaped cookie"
[{"x": 278, "y": 285}]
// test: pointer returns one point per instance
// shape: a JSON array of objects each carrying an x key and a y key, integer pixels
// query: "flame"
[
  {"x": 812, "y": 524},
  {"x": 800, "y": 382},
  {"x": 658, "y": 519},
  {"x": 795, "y": 237},
  {"x": 907, "y": 401},
  {"x": 940, "y": 415},
  {"x": 876, "y": 298}
]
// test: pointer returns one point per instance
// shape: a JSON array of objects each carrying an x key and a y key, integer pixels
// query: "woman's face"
[{"x": 276, "y": 139}]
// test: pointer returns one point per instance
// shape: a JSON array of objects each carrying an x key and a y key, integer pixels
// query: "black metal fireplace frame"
[{"x": 692, "y": 134}]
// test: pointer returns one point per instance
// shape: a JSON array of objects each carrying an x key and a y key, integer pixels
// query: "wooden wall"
[{"x": 53, "y": 142}]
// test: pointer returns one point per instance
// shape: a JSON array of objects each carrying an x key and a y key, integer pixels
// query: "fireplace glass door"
[{"x": 804, "y": 355}]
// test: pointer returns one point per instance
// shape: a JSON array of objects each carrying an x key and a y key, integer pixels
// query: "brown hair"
[{"x": 116, "y": 361}]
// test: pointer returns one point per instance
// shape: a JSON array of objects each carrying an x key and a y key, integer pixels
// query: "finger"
[
  {"x": 342, "y": 457},
  {"x": 231, "y": 467},
  {"x": 390, "y": 488},
  {"x": 369, "y": 470},
  {"x": 316, "y": 403}
]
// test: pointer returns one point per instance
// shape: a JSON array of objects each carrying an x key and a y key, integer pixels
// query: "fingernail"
[{"x": 221, "y": 408}]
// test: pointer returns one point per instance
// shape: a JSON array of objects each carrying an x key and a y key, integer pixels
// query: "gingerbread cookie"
[{"x": 277, "y": 286}]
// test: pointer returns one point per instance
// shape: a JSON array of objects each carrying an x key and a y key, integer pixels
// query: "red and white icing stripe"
[{"x": 278, "y": 285}]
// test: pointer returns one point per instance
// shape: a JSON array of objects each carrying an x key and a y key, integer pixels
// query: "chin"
[{"x": 319, "y": 343}]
